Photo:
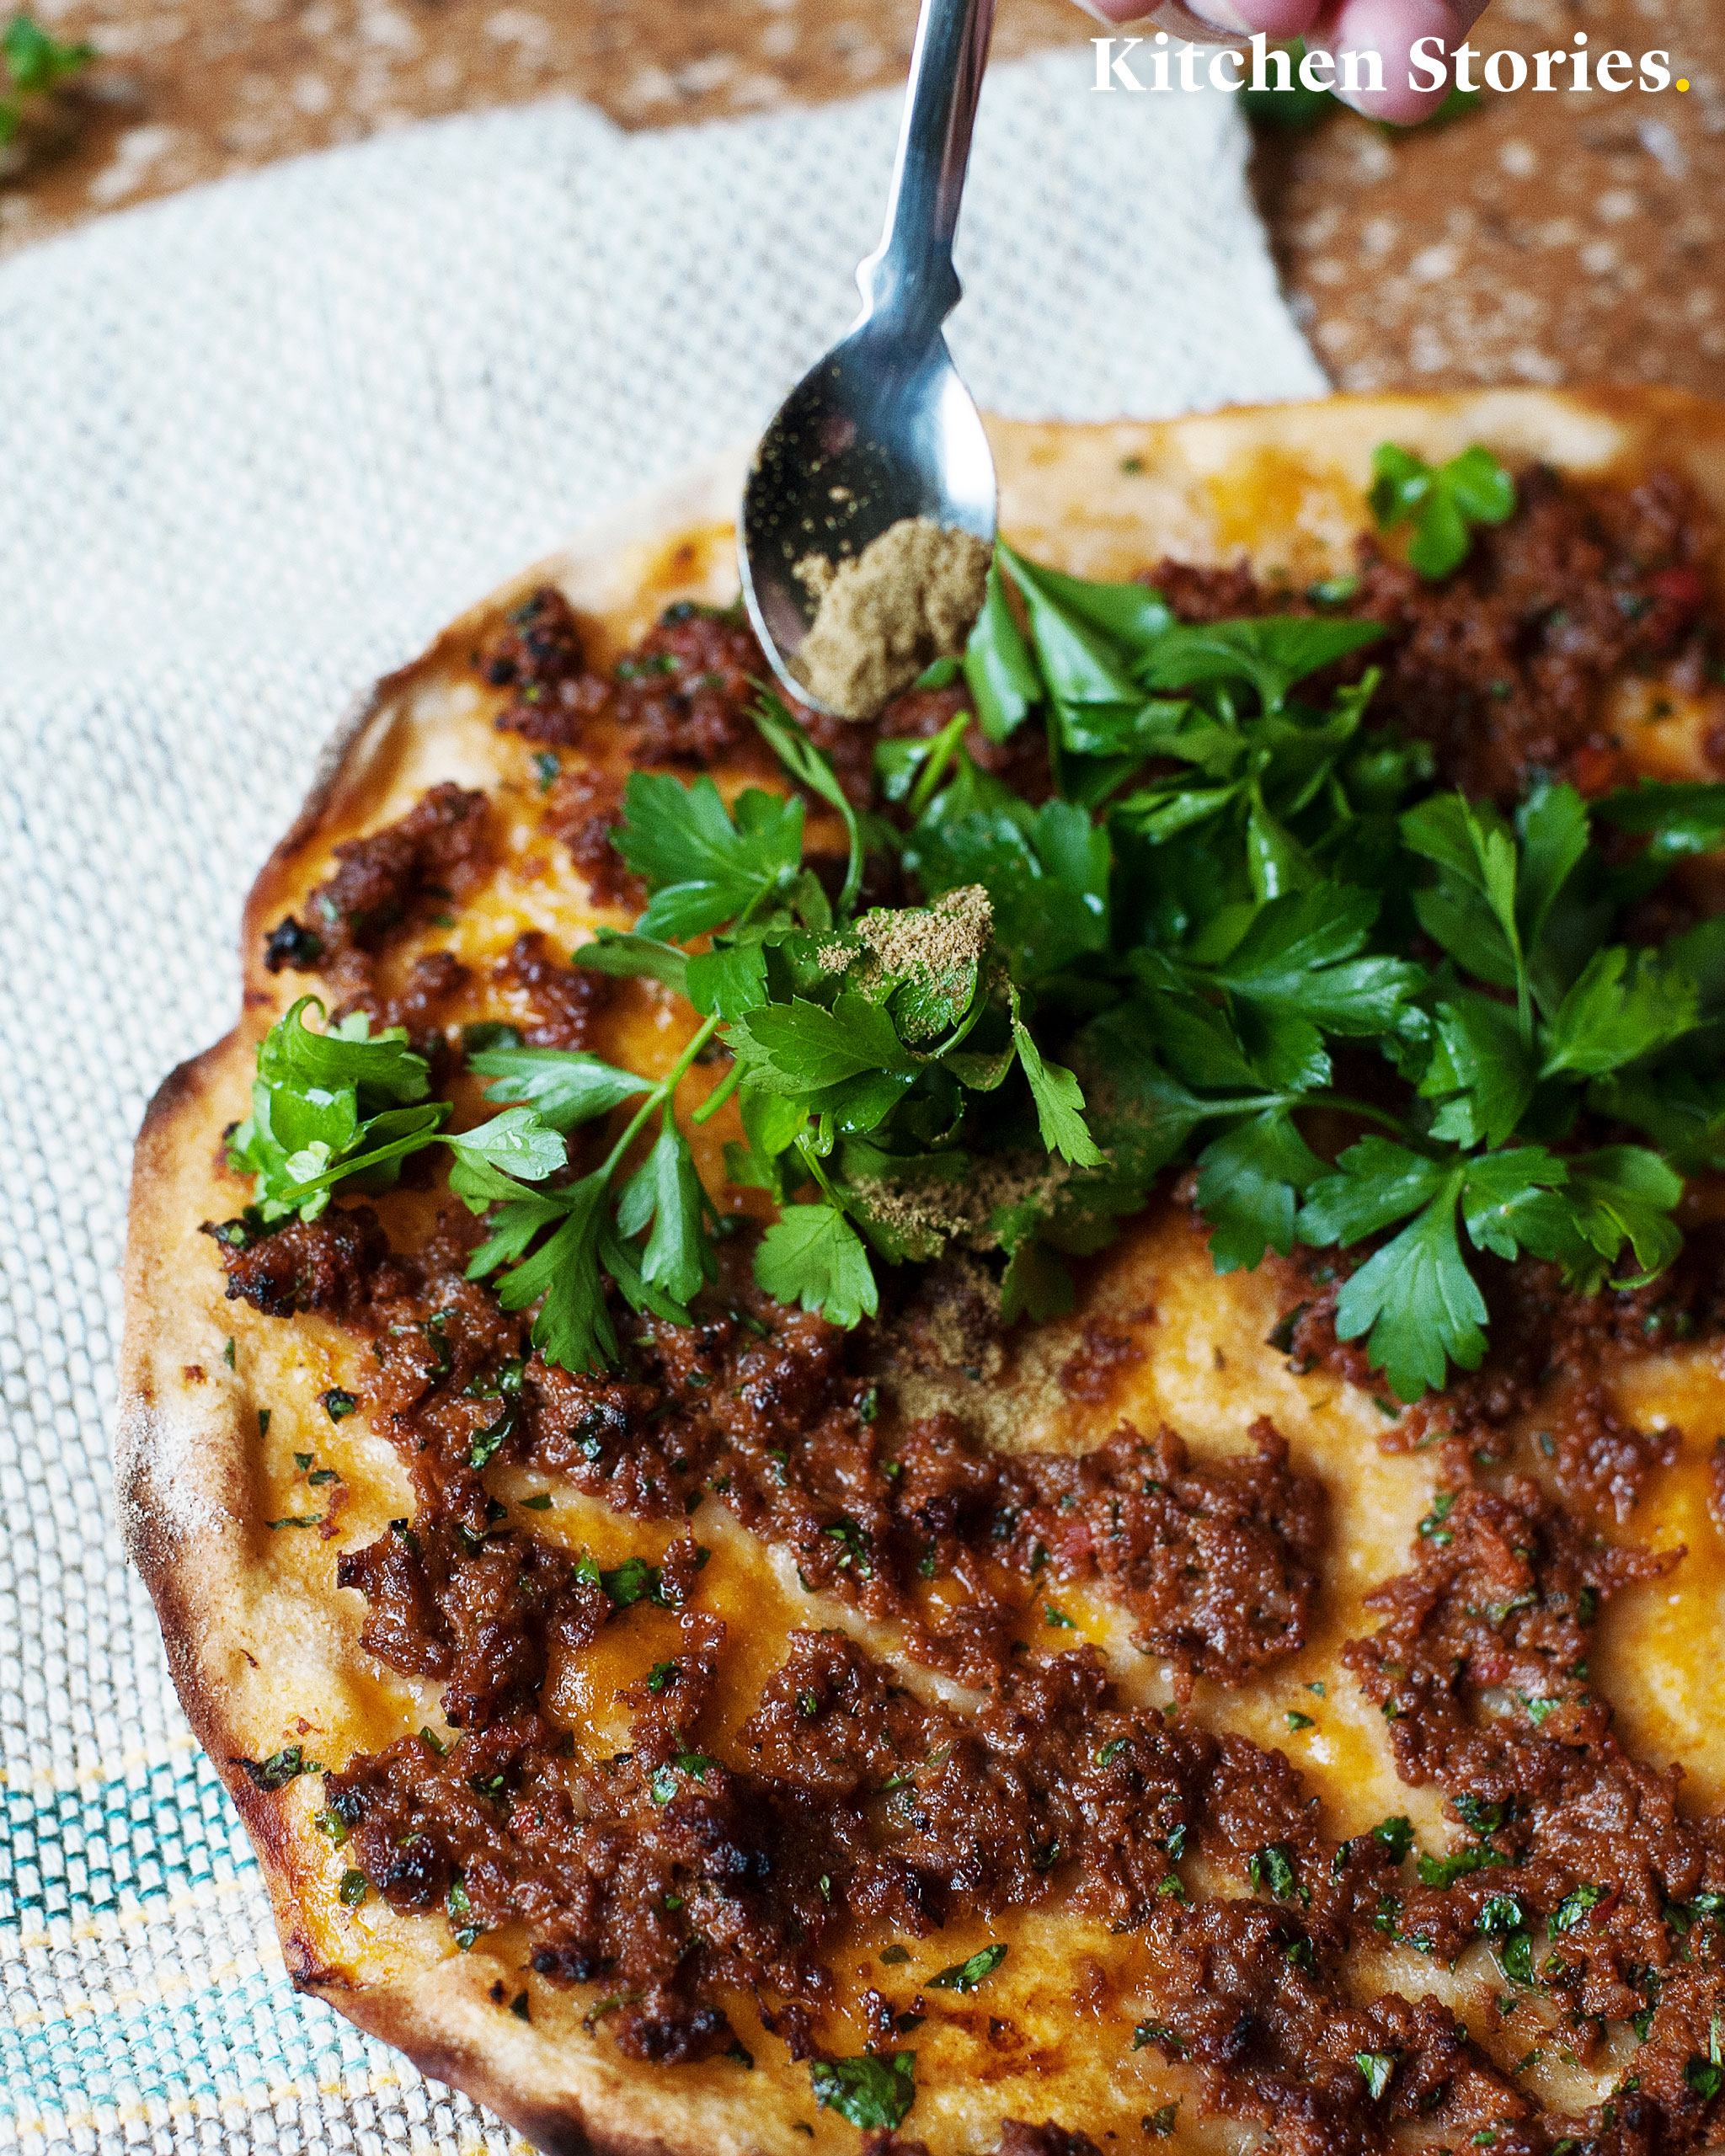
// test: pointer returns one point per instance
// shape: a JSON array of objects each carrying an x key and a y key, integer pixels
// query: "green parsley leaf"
[
  {"x": 574, "y": 1328},
  {"x": 798, "y": 1047},
  {"x": 1442, "y": 1872},
  {"x": 1060, "y": 1102},
  {"x": 1377, "y": 2070},
  {"x": 330, "y": 1107},
  {"x": 1036, "y": 1285},
  {"x": 633, "y": 1581},
  {"x": 1480, "y": 1818},
  {"x": 279, "y": 1769},
  {"x": 1415, "y": 1295},
  {"x": 1156, "y": 2032},
  {"x": 1471, "y": 909},
  {"x": 1417, "y": 1300},
  {"x": 1273, "y": 652},
  {"x": 1298, "y": 958},
  {"x": 622, "y": 953},
  {"x": 1574, "y": 1906},
  {"x": 999, "y": 671},
  {"x": 1376, "y": 1182},
  {"x": 1396, "y": 1835},
  {"x": 731, "y": 979},
  {"x": 1479, "y": 1071},
  {"x": 704, "y": 864},
  {"x": 965, "y": 1975},
  {"x": 1706, "y": 2077},
  {"x": 908, "y": 769},
  {"x": 813, "y": 1256},
  {"x": 1499, "y": 1913},
  {"x": 1680, "y": 817},
  {"x": 563, "y": 1088},
  {"x": 1045, "y": 869},
  {"x": 874, "y": 2094},
  {"x": 1249, "y": 1180},
  {"x": 1274, "y": 1867},
  {"x": 38, "y": 61},
  {"x": 1620, "y": 1194},
  {"x": 1443, "y": 502},
  {"x": 1077, "y": 656},
  {"x": 1624, "y": 1006},
  {"x": 806, "y": 764},
  {"x": 664, "y": 1189},
  {"x": 519, "y": 1142}
]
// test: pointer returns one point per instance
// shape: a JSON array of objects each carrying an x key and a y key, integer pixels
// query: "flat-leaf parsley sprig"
[
  {"x": 1242, "y": 912},
  {"x": 856, "y": 1039},
  {"x": 343, "y": 1106}
]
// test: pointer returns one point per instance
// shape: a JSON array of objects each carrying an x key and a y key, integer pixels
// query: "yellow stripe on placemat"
[
  {"x": 59, "y": 1779},
  {"x": 470, "y": 2139},
  {"x": 136, "y": 1915},
  {"x": 264, "y": 1954}
]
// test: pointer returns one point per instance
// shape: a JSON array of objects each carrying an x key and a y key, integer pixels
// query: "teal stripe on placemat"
[
  {"x": 101, "y": 1850},
  {"x": 87, "y": 1846},
  {"x": 248, "y": 2036},
  {"x": 208, "y": 2042}
]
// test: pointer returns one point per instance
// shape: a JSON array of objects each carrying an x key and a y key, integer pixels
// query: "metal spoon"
[{"x": 882, "y": 428}]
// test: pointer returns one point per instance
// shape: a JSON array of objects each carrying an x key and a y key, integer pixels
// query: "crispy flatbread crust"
[{"x": 264, "y": 1649}]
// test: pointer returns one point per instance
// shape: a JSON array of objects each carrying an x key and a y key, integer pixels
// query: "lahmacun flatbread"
[{"x": 1141, "y": 1722}]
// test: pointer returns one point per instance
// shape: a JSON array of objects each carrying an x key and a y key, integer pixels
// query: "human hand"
[{"x": 1390, "y": 27}]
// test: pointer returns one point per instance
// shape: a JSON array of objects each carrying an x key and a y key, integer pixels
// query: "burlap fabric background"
[{"x": 256, "y": 444}]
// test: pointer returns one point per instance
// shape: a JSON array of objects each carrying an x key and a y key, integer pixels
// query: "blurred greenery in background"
[{"x": 34, "y": 63}]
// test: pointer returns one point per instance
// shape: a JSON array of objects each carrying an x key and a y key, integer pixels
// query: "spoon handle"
[{"x": 909, "y": 284}]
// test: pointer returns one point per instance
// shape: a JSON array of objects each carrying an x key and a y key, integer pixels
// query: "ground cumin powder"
[
  {"x": 909, "y": 598},
  {"x": 955, "y": 931}
]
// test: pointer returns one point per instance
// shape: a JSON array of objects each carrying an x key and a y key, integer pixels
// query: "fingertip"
[
  {"x": 1277, "y": 19},
  {"x": 1390, "y": 29}
]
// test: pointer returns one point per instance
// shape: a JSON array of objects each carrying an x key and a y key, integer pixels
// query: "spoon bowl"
[
  {"x": 875, "y": 433},
  {"x": 882, "y": 428}
]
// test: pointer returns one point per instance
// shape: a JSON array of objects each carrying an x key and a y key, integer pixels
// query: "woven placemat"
[{"x": 258, "y": 441}]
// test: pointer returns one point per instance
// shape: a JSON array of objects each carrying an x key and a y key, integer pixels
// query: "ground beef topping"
[
  {"x": 538, "y": 650},
  {"x": 1481, "y": 1669},
  {"x": 763, "y": 1406},
  {"x": 1553, "y": 1357},
  {"x": 384, "y": 885},
  {"x": 584, "y": 807},
  {"x": 662, "y": 1869},
  {"x": 555, "y": 1005},
  {"x": 1500, "y": 665},
  {"x": 338, "y": 1264},
  {"x": 434, "y": 983},
  {"x": 681, "y": 695}
]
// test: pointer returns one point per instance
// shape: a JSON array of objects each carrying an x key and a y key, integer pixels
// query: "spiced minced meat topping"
[{"x": 847, "y": 1803}]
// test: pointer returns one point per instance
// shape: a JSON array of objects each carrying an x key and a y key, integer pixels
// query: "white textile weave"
[{"x": 256, "y": 444}]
